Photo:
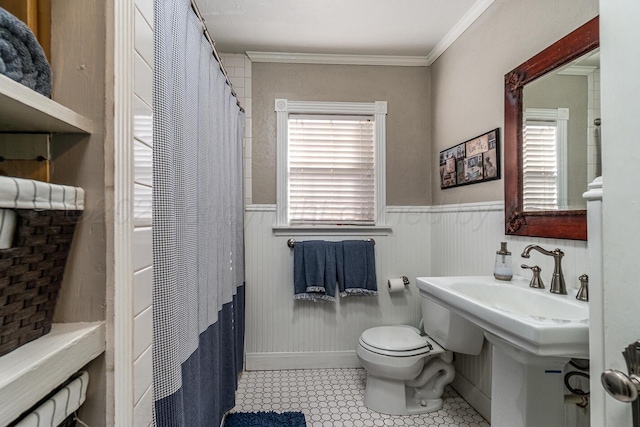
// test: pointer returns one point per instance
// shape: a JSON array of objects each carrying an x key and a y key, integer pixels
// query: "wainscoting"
[
  {"x": 285, "y": 334},
  {"x": 425, "y": 241}
]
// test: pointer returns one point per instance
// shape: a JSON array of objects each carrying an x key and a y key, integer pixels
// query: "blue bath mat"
[{"x": 265, "y": 419}]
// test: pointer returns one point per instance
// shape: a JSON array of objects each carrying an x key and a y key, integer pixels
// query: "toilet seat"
[{"x": 397, "y": 341}]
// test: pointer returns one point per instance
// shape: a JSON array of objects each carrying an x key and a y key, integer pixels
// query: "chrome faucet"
[{"x": 557, "y": 280}]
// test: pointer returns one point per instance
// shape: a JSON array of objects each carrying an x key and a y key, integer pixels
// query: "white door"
[{"x": 620, "y": 104}]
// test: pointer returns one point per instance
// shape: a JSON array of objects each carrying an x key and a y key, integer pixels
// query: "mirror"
[
  {"x": 559, "y": 137},
  {"x": 543, "y": 194}
]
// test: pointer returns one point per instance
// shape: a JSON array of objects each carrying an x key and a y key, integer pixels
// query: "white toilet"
[{"x": 407, "y": 371}]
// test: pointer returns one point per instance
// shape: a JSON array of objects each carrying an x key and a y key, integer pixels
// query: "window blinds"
[
  {"x": 331, "y": 170},
  {"x": 540, "y": 166}
]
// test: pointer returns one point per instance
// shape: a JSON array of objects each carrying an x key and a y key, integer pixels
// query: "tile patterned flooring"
[{"x": 334, "y": 398}]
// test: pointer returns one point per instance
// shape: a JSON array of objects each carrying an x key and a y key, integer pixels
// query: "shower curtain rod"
[{"x": 205, "y": 31}]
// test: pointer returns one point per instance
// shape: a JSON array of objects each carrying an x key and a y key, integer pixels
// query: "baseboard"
[
  {"x": 301, "y": 360},
  {"x": 480, "y": 402}
]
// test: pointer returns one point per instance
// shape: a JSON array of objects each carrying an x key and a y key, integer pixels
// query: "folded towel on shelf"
[
  {"x": 314, "y": 271},
  {"x": 356, "y": 268},
  {"x": 19, "y": 193},
  {"x": 21, "y": 56}
]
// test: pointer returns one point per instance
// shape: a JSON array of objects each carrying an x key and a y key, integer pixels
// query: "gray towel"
[
  {"x": 314, "y": 270},
  {"x": 356, "y": 268},
  {"x": 21, "y": 57}
]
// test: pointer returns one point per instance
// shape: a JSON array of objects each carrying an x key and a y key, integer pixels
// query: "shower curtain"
[{"x": 198, "y": 273}]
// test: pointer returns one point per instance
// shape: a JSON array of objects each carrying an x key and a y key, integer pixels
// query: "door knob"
[
  {"x": 625, "y": 387},
  {"x": 620, "y": 386}
]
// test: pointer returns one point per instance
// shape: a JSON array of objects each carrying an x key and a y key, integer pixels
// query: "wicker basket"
[{"x": 31, "y": 274}]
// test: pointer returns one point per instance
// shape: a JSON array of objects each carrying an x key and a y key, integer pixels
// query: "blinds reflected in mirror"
[{"x": 544, "y": 182}]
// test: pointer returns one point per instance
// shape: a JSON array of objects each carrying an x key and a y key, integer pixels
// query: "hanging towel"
[
  {"x": 356, "y": 268},
  {"x": 314, "y": 271},
  {"x": 21, "y": 57}
]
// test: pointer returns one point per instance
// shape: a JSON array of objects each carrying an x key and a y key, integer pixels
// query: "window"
[
  {"x": 544, "y": 159},
  {"x": 330, "y": 163}
]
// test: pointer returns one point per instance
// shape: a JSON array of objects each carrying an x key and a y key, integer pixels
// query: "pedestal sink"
[{"x": 534, "y": 334}]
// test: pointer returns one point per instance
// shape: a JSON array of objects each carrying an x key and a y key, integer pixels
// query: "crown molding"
[
  {"x": 469, "y": 18},
  {"x": 398, "y": 61},
  {"x": 338, "y": 59}
]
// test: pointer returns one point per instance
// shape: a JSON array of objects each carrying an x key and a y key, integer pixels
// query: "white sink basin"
[{"x": 533, "y": 320}]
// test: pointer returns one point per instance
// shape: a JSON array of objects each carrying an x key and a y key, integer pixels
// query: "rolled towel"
[
  {"x": 19, "y": 193},
  {"x": 356, "y": 268},
  {"x": 21, "y": 56}
]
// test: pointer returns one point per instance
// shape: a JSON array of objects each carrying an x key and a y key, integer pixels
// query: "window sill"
[{"x": 332, "y": 230}]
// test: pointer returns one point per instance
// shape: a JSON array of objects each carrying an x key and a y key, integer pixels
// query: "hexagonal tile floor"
[{"x": 334, "y": 398}]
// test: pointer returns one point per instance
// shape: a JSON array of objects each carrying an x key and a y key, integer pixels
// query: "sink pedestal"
[
  {"x": 527, "y": 390},
  {"x": 534, "y": 332}
]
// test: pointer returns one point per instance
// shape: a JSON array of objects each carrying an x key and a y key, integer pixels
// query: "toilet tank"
[{"x": 451, "y": 331}]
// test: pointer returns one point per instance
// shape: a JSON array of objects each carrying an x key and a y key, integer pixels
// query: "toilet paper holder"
[
  {"x": 405, "y": 280},
  {"x": 398, "y": 284}
]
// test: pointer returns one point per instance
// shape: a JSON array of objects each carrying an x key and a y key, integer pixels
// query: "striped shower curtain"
[{"x": 198, "y": 273}]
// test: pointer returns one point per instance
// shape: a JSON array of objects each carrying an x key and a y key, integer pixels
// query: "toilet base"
[
  {"x": 401, "y": 382},
  {"x": 383, "y": 395}
]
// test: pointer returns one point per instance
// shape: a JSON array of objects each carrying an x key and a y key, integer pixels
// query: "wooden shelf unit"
[
  {"x": 30, "y": 372},
  {"x": 79, "y": 121},
  {"x": 25, "y": 110}
]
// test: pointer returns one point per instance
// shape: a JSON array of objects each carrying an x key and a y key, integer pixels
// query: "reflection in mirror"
[{"x": 560, "y": 138}]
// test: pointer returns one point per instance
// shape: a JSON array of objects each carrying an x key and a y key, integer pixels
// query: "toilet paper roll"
[{"x": 395, "y": 285}]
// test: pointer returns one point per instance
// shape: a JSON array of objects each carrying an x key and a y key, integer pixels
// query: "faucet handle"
[
  {"x": 583, "y": 292},
  {"x": 536, "y": 280}
]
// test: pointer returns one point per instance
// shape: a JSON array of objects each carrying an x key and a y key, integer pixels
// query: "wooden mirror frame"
[{"x": 563, "y": 224}]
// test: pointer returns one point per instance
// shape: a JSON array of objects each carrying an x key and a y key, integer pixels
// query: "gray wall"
[
  {"x": 406, "y": 90},
  {"x": 467, "y": 81}
]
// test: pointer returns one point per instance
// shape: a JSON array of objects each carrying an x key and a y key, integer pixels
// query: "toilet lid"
[{"x": 396, "y": 338}]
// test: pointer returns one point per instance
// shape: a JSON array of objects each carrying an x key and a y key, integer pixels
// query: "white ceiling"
[{"x": 350, "y": 27}]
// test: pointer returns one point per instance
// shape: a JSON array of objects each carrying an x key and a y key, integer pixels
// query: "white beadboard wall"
[
  {"x": 143, "y": 257},
  {"x": 285, "y": 334},
  {"x": 446, "y": 240}
]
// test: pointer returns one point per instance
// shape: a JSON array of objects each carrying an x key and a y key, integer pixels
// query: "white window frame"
[
  {"x": 559, "y": 117},
  {"x": 283, "y": 108}
]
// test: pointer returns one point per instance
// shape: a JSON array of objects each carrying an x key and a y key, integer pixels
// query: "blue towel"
[
  {"x": 21, "y": 57},
  {"x": 356, "y": 265},
  {"x": 314, "y": 270}
]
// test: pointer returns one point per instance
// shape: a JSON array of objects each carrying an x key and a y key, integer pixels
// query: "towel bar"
[{"x": 291, "y": 242}]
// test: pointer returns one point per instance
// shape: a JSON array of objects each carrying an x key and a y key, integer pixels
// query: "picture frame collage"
[{"x": 470, "y": 162}]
